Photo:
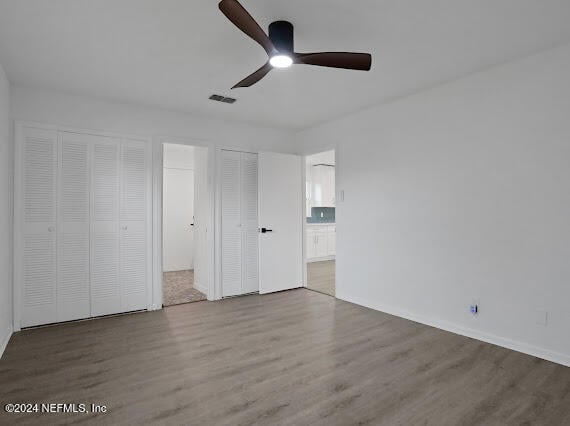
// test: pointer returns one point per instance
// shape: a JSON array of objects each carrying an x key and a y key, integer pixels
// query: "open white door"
[
  {"x": 178, "y": 220},
  {"x": 281, "y": 222}
]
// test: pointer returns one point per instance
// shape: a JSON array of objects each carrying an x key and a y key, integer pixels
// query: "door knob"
[{"x": 124, "y": 227}]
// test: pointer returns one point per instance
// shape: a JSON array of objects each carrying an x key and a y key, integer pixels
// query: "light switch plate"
[
  {"x": 541, "y": 317},
  {"x": 341, "y": 196}
]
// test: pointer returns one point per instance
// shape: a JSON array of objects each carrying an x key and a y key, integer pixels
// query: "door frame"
[
  {"x": 158, "y": 167},
  {"x": 332, "y": 147},
  {"x": 17, "y": 261}
]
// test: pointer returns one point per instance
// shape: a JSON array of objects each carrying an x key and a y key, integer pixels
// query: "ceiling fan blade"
[
  {"x": 251, "y": 79},
  {"x": 346, "y": 60},
  {"x": 240, "y": 17}
]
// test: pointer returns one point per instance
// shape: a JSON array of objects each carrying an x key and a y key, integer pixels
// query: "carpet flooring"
[{"x": 178, "y": 288}]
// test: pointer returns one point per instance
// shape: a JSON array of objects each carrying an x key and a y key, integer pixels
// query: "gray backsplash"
[{"x": 327, "y": 215}]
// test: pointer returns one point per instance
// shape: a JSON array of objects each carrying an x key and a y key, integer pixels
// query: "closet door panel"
[
  {"x": 83, "y": 246},
  {"x": 39, "y": 279},
  {"x": 133, "y": 183},
  {"x": 133, "y": 266},
  {"x": 37, "y": 203},
  {"x": 249, "y": 212},
  {"x": 231, "y": 223},
  {"x": 73, "y": 228},
  {"x": 105, "y": 288},
  {"x": 134, "y": 259}
]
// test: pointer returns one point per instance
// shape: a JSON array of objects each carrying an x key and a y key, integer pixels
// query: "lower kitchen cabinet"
[{"x": 321, "y": 242}]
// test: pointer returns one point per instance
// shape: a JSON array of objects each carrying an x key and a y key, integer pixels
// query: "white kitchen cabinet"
[
  {"x": 322, "y": 186},
  {"x": 311, "y": 244},
  {"x": 321, "y": 242},
  {"x": 331, "y": 241}
]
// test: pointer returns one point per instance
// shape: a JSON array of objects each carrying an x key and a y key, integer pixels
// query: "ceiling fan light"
[{"x": 281, "y": 61}]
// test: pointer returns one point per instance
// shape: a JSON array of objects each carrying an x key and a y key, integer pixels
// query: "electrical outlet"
[
  {"x": 474, "y": 307},
  {"x": 541, "y": 317}
]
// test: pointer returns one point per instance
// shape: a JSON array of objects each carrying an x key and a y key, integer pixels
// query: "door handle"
[{"x": 265, "y": 230}]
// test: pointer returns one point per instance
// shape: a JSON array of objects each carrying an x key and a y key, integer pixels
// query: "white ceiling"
[{"x": 173, "y": 54}]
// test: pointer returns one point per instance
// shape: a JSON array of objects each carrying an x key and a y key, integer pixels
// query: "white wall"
[
  {"x": 462, "y": 193},
  {"x": 96, "y": 114},
  {"x": 6, "y": 173},
  {"x": 178, "y": 208}
]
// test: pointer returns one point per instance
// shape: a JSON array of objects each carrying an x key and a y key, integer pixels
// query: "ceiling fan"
[{"x": 279, "y": 46}]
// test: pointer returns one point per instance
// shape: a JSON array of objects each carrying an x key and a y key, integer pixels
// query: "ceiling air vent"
[{"x": 223, "y": 99}]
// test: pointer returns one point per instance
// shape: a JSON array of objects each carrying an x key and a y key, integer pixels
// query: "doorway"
[
  {"x": 184, "y": 212},
  {"x": 320, "y": 235}
]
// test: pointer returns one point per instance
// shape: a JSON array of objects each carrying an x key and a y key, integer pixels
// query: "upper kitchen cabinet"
[
  {"x": 321, "y": 180},
  {"x": 323, "y": 193}
]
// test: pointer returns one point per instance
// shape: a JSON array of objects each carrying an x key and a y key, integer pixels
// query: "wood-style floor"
[
  {"x": 321, "y": 276},
  {"x": 291, "y": 358}
]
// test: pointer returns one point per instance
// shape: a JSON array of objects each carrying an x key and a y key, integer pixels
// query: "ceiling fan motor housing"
[{"x": 281, "y": 35}]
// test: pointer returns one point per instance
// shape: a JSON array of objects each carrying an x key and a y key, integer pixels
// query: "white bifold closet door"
[
  {"x": 239, "y": 233},
  {"x": 134, "y": 262},
  {"x": 105, "y": 225},
  {"x": 73, "y": 228},
  {"x": 83, "y": 249},
  {"x": 37, "y": 245},
  {"x": 119, "y": 238}
]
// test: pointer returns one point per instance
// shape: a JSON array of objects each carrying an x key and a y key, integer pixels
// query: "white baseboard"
[
  {"x": 320, "y": 259},
  {"x": 198, "y": 286},
  {"x": 4, "y": 339},
  {"x": 504, "y": 342}
]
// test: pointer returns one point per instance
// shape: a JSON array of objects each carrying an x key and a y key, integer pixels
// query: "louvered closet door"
[
  {"x": 37, "y": 203},
  {"x": 105, "y": 225},
  {"x": 134, "y": 258},
  {"x": 250, "y": 249},
  {"x": 73, "y": 299},
  {"x": 231, "y": 223}
]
